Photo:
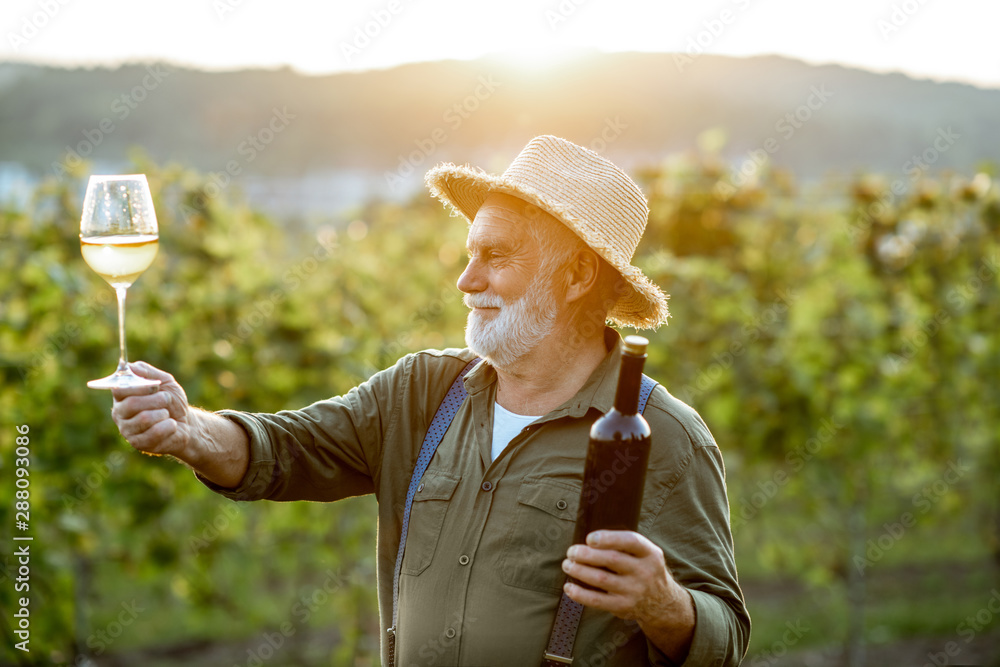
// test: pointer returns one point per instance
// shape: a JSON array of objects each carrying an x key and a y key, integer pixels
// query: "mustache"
[{"x": 483, "y": 300}]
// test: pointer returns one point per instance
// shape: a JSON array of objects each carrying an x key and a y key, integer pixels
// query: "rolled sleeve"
[
  {"x": 715, "y": 633},
  {"x": 260, "y": 472}
]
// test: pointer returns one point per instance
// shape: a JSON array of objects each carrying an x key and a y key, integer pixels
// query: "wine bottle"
[{"x": 615, "y": 469}]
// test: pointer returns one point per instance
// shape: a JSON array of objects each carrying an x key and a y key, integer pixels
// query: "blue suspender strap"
[
  {"x": 645, "y": 389},
  {"x": 560, "y": 648},
  {"x": 435, "y": 434}
]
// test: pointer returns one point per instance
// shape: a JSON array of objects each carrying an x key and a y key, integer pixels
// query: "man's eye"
[{"x": 484, "y": 256}]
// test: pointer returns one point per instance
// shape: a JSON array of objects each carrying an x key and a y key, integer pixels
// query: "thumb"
[{"x": 142, "y": 369}]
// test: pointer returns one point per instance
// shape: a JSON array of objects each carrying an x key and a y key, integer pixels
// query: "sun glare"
[
  {"x": 542, "y": 58},
  {"x": 524, "y": 35}
]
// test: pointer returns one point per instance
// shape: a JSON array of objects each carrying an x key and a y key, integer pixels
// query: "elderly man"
[{"x": 484, "y": 532}]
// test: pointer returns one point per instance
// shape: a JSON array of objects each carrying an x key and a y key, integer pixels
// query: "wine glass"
[{"x": 118, "y": 240}]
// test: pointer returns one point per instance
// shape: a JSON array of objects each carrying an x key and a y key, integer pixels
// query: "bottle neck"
[{"x": 629, "y": 379}]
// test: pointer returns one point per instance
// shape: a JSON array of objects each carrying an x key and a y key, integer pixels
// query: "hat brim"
[{"x": 464, "y": 189}]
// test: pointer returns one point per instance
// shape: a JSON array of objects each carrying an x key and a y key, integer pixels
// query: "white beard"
[{"x": 507, "y": 336}]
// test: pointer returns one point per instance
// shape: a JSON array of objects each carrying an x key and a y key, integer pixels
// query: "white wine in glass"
[{"x": 119, "y": 240}]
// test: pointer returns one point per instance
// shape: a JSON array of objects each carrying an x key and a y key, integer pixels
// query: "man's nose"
[{"x": 473, "y": 278}]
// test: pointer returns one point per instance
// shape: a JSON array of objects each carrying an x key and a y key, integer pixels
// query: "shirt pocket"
[
  {"x": 540, "y": 534},
  {"x": 430, "y": 505}
]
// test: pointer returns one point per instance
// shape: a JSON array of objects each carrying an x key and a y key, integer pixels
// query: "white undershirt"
[{"x": 506, "y": 425}]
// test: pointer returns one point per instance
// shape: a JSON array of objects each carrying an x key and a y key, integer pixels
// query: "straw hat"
[{"x": 585, "y": 192}]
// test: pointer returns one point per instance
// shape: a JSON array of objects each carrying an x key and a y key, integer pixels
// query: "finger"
[
  {"x": 622, "y": 540},
  {"x": 121, "y": 393},
  {"x": 142, "y": 422},
  {"x": 157, "y": 439},
  {"x": 131, "y": 406},
  {"x": 616, "y": 561},
  {"x": 148, "y": 371},
  {"x": 592, "y": 575},
  {"x": 584, "y": 596},
  {"x": 596, "y": 599}
]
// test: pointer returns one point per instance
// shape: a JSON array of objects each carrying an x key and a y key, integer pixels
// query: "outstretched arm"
[{"x": 159, "y": 421}]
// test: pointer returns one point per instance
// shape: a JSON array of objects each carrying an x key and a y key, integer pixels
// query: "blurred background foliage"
[{"x": 838, "y": 336}]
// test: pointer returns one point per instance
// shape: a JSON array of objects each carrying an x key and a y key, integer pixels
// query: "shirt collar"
[{"x": 598, "y": 391}]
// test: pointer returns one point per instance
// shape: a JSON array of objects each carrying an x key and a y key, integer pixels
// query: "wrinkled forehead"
[
  {"x": 501, "y": 220},
  {"x": 510, "y": 218},
  {"x": 508, "y": 207}
]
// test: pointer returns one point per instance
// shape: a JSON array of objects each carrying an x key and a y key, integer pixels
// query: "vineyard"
[{"x": 839, "y": 337}]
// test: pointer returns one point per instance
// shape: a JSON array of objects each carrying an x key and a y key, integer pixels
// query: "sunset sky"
[{"x": 924, "y": 38}]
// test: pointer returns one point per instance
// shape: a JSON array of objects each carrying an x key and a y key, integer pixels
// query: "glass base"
[{"x": 122, "y": 380}]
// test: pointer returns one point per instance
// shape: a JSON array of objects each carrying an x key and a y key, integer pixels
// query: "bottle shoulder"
[{"x": 614, "y": 425}]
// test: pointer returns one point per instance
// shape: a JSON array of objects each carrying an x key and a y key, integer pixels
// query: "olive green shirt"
[{"x": 481, "y": 574}]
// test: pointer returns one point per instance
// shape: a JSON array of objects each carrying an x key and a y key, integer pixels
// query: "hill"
[{"x": 280, "y": 122}]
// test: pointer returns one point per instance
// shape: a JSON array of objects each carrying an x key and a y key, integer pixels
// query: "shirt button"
[
  {"x": 420, "y": 488},
  {"x": 450, "y": 633},
  {"x": 487, "y": 486},
  {"x": 463, "y": 559},
  {"x": 561, "y": 504}
]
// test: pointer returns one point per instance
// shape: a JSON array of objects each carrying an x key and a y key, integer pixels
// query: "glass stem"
[{"x": 123, "y": 358}]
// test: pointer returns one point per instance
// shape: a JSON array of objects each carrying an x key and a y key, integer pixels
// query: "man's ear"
[{"x": 581, "y": 274}]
